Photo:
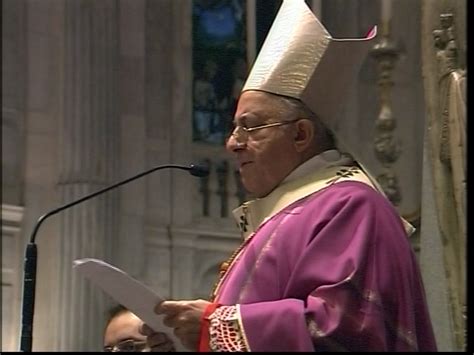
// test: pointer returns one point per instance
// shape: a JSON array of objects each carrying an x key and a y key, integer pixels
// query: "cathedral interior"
[{"x": 94, "y": 92}]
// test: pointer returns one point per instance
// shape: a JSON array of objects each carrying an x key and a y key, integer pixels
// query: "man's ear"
[{"x": 304, "y": 134}]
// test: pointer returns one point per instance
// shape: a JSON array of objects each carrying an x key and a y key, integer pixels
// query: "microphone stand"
[{"x": 31, "y": 254}]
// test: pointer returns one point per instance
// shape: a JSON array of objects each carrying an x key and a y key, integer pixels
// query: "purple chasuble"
[{"x": 333, "y": 271}]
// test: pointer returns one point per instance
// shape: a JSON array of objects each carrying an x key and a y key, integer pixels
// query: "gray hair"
[{"x": 324, "y": 138}]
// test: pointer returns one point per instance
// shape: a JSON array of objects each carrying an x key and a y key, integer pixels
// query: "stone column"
[
  {"x": 13, "y": 101},
  {"x": 13, "y": 162},
  {"x": 89, "y": 132}
]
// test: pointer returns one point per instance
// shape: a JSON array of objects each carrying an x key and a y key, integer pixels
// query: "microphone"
[
  {"x": 31, "y": 254},
  {"x": 199, "y": 170}
]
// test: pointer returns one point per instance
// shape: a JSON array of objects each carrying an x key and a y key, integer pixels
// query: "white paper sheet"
[{"x": 127, "y": 291}]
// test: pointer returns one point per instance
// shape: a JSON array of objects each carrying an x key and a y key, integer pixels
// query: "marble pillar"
[
  {"x": 89, "y": 134},
  {"x": 13, "y": 162},
  {"x": 13, "y": 100}
]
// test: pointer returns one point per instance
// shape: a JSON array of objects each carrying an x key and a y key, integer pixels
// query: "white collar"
[{"x": 326, "y": 159}]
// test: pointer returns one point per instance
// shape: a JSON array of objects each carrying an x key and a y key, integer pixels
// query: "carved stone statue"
[{"x": 449, "y": 162}]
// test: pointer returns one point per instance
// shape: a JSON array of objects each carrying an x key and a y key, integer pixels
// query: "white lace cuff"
[{"x": 225, "y": 331}]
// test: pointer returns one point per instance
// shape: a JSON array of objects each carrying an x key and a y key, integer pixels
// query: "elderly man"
[{"x": 325, "y": 263}]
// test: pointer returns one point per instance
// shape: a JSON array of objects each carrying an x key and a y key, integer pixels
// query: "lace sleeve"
[{"x": 225, "y": 330}]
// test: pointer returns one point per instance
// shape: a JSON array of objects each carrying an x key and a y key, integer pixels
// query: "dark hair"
[{"x": 115, "y": 311}]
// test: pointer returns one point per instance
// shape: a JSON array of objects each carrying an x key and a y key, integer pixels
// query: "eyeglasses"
[
  {"x": 128, "y": 345},
  {"x": 242, "y": 133}
]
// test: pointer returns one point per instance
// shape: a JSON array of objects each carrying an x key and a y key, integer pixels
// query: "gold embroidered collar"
[{"x": 251, "y": 214}]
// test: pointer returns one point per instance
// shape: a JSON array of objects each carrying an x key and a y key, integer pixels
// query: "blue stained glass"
[
  {"x": 219, "y": 24},
  {"x": 219, "y": 65}
]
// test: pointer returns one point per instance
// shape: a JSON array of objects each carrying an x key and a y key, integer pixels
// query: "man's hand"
[{"x": 185, "y": 318}]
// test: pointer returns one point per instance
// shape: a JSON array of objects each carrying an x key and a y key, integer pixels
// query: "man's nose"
[{"x": 233, "y": 144}]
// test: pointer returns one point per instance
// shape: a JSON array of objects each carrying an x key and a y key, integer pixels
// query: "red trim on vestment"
[{"x": 204, "y": 333}]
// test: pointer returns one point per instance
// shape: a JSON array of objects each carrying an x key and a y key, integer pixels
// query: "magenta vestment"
[{"x": 333, "y": 271}]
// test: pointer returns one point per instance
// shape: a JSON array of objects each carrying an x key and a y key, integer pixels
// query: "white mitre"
[{"x": 300, "y": 59}]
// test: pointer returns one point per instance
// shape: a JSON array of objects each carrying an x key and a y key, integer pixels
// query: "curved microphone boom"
[{"x": 29, "y": 279}]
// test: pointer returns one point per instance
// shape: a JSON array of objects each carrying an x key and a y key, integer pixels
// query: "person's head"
[
  {"x": 299, "y": 59},
  {"x": 266, "y": 156},
  {"x": 122, "y": 332}
]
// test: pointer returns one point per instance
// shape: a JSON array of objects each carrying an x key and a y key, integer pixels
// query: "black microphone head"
[{"x": 199, "y": 170}]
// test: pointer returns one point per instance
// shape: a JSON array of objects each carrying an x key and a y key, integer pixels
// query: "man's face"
[
  {"x": 125, "y": 327},
  {"x": 268, "y": 155}
]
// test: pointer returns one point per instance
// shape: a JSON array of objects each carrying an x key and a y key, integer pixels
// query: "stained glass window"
[{"x": 219, "y": 66}]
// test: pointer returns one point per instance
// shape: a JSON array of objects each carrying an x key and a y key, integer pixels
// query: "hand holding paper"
[{"x": 129, "y": 292}]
